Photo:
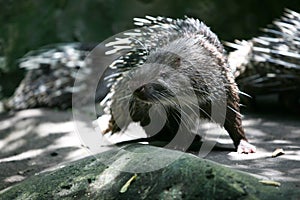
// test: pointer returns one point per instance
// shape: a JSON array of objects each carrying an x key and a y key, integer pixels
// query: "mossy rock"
[{"x": 168, "y": 174}]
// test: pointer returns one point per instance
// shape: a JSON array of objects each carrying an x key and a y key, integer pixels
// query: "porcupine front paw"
[{"x": 246, "y": 147}]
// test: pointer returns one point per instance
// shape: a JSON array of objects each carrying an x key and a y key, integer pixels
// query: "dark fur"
[{"x": 194, "y": 56}]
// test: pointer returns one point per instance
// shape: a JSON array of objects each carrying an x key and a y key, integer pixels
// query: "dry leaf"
[
  {"x": 127, "y": 184},
  {"x": 277, "y": 152},
  {"x": 269, "y": 182}
]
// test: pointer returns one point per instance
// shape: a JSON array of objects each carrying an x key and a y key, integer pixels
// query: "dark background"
[{"x": 30, "y": 24}]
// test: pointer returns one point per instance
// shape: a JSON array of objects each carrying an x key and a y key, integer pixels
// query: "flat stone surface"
[{"x": 38, "y": 139}]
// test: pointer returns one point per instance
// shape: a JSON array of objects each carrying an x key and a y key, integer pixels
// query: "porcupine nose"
[{"x": 149, "y": 92}]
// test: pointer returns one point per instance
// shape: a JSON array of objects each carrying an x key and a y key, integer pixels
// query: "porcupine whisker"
[
  {"x": 170, "y": 101},
  {"x": 182, "y": 112},
  {"x": 166, "y": 99},
  {"x": 125, "y": 97},
  {"x": 166, "y": 107},
  {"x": 198, "y": 106},
  {"x": 185, "y": 116},
  {"x": 221, "y": 113},
  {"x": 185, "y": 122},
  {"x": 197, "y": 114},
  {"x": 178, "y": 118},
  {"x": 188, "y": 121}
]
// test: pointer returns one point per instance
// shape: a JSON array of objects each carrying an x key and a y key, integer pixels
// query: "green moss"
[{"x": 188, "y": 177}]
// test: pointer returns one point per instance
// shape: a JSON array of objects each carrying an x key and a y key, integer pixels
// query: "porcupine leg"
[
  {"x": 112, "y": 126},
  {"x": 233, "y": 125}
]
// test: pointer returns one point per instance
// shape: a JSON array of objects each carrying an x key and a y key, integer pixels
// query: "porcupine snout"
[{"x": 152, "y": 92}]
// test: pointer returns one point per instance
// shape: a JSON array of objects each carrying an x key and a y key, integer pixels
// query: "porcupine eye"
[
  {"x": 176, "y": 62},
  {"x": 172, "y": 60}
]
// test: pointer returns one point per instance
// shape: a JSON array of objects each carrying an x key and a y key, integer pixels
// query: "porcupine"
[
  {"x": 51, "y": 72},
  {"x": 173, "y": 50},
  {"x": 270, "y": 64}
]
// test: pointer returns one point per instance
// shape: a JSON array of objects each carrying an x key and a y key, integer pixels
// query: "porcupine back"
[
  {"x": 155, "y": 33},
  {"x": 50, "y": 76},
  {"x": 270, "y": 63}
]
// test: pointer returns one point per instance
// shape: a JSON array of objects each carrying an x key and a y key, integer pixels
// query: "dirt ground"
[{"x": 37, "y": 139}]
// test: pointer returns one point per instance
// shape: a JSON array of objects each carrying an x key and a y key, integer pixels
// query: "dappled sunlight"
[
  {"x": 19, "y": 116},
  {"x": 14, "y": 178},
  {"x": 255, "y": 133},
  {"x": 11, "y": 146},
  {"x": 23, "y": 156},
  {"x": 267, "y": 132},
  {"x": 63, "y": 127},
  {"x": 106, "y": 179},
  {"x": 31, "y": 113},
  {"x": 77, "y": 153},
  {"x": 14, "y": 141},
  {"x": 279, "y": 142},
  {"x": 212, "y": 131},
  {"x": 292, "y": 155},
  {"x": 234, "y": 156},
  {"x": 34, "y": 140}
]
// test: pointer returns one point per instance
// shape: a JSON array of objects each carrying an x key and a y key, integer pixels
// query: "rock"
[{"x": 134, "y": 173}]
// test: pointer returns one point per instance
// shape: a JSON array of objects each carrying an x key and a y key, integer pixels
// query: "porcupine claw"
[{"x": 246, "y": 147}]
